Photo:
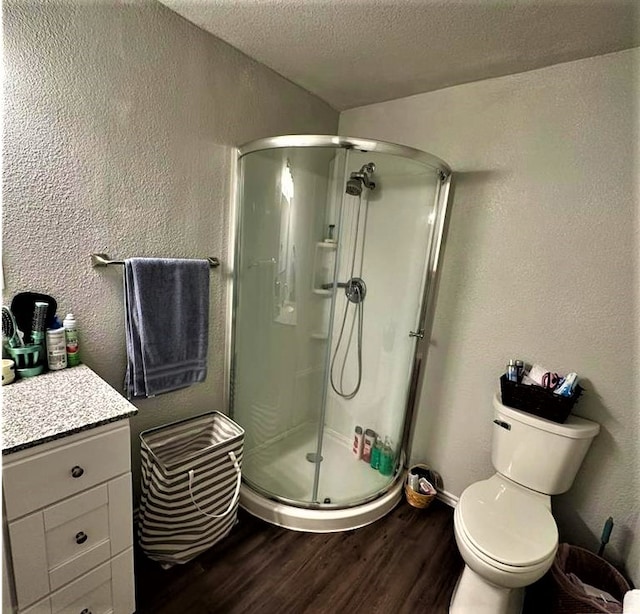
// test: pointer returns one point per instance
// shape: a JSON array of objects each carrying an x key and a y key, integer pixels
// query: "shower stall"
[{"x": 337, "y": 247}]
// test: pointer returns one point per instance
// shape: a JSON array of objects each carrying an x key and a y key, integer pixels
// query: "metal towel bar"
[{"x": 100, "y": 260}]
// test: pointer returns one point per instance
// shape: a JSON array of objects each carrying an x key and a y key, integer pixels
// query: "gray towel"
[{"x": 166, "y": 308}]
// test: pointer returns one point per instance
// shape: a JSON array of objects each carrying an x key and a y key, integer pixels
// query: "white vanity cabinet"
[
  {"x": 67, "y": 509},
  {"x": 69, "y": 517}
]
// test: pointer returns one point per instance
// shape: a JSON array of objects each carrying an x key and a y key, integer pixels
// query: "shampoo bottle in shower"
[
  {"x": 386, "y": 458},
  {"x": 358, "y": 441},
  {"x": 369, "y": 441},
  {"x": 376, "y": 451}
]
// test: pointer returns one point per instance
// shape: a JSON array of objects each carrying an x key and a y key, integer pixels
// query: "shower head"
[
  {"x": 354, "y": 186},
  {"x": 362, "y": 177}
]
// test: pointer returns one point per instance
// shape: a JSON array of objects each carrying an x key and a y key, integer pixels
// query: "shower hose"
[{"x": 356, "y": 300}]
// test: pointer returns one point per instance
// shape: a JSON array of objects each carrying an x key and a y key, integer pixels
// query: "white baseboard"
[{"x": 447, "y": 497}]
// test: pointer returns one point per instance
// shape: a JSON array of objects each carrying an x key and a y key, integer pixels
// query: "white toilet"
[{"x": 503, "y": 526}]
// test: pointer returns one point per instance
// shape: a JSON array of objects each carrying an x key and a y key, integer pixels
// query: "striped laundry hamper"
[{"x": 190, "y": 486}]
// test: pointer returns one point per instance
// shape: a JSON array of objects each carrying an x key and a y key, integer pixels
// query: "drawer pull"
[
  {"x": 86, "y": 611},
  {"x": 81, "y": 537},
  {"x": 77, "y": 471}
]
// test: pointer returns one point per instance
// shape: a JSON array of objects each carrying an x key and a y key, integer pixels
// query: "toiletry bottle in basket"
[{"x": 71, "y": 334}]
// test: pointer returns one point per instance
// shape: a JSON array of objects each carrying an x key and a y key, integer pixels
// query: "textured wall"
[
  {"x": 119, "y": 127},
  {"x": 541, "y": 263}
]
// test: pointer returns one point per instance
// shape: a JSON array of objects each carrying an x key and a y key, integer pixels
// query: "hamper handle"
[{"x": 236, "y": 495}]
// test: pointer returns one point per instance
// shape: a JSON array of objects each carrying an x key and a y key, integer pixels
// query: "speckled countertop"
[{"x": 59, "y": 403}]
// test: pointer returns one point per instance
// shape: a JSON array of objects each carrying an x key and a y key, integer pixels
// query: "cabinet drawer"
[
  {"x": 51, "y": 547},
  {"x": 97, "y": 601},
  {"x": 77, "y": 525},
  {"x": 56, "y": 545},
  {"x": 44, "y": 478},
  {"x": 106, "y": 589},
  {"x": 77, "y": 535},
  {"x": 91, "y": 592}
]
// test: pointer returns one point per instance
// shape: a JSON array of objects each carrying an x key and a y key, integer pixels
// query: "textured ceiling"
[{"x": 356, "y": 52}]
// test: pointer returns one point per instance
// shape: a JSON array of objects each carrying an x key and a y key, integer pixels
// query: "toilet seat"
[
  {"x": 495, "y": 565},
  {"x": 507, "y": 526}
]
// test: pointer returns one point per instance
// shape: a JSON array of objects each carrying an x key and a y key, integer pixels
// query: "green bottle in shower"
[
  {"x": 376, "y": 452},
  {"x": 386, "y": 458}
]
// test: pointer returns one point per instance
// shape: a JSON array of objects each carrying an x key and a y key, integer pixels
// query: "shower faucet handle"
[
  {"x": 419, "y": 334},
  {"x": 328, "y": 286}
]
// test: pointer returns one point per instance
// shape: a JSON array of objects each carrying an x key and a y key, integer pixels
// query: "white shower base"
[{"x": 281, "y": 469}]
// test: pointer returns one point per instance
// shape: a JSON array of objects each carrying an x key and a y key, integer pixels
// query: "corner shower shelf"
[
  {"x": 320, "y": 336},
  {"x": 323, "y": 265},
  {"x": 327, "y": 244}
]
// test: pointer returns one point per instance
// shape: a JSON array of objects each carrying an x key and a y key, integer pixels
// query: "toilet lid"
[{"x": 507, "y": 524}]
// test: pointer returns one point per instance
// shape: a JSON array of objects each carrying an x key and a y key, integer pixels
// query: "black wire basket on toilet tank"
[{"x": 537, "y": 400}]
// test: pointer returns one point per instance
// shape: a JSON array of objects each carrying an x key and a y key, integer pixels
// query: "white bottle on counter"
[
  {"x": 71, "y": 334},
  {"x": 56, "y": 348}
]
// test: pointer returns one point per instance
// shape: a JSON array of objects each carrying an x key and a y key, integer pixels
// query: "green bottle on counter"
[{"x": 71, "y": 336}]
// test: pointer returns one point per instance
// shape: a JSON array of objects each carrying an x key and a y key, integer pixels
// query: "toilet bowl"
[
  {"x": 503, "y": 526},
  {"x": 507, "y": 538}
]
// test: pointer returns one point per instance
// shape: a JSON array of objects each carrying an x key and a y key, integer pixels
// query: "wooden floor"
[{"x": 406, "y": 562}]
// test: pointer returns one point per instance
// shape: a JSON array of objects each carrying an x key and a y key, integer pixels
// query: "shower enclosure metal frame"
[{"x": 313, "y": 516}]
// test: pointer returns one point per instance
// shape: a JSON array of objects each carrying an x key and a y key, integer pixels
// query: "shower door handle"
[{"x": 419, "y": 334}]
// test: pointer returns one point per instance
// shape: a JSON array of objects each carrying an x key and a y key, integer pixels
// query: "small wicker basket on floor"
[{"x": 414, "y": 498}]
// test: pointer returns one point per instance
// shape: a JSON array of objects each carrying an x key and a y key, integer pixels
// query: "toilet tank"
[{"x": 539, "y": 454}]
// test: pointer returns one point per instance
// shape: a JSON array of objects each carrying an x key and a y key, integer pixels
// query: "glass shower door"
[
  {"x": 284, "y": 269},
  {"x": 385, "y": 234}
]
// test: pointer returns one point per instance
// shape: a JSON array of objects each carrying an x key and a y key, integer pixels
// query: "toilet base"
[{"x": 474, "y": 595}]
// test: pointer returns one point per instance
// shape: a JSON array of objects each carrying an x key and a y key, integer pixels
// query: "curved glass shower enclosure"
[{"x": 336, "y": 255}]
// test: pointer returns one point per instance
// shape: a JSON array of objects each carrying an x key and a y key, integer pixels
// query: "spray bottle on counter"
[{"x": 71, "y": 335}]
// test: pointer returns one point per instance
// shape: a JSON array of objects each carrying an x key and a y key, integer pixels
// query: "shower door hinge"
[{"x": 419, "y": 334}]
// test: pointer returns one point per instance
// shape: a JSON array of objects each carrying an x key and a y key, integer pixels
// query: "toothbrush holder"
[{"x": 29, "y": 359}]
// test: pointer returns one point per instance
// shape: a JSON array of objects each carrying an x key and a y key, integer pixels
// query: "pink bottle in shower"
[{"x": 358, "y": 442}]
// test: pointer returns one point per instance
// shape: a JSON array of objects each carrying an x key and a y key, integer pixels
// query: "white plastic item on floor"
[{"x": 631, "y": 603}]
